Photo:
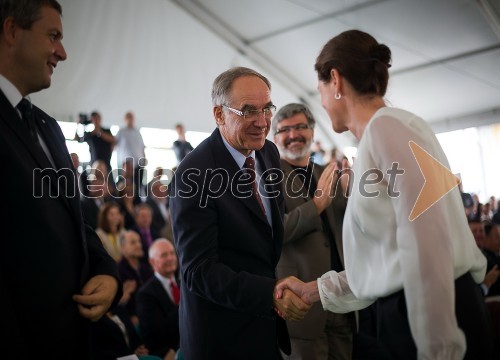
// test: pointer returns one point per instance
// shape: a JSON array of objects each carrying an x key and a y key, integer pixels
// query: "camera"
[{"x": 84, "y": 119}]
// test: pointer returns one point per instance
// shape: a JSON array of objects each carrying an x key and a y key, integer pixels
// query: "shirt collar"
[
  {"x": 237, "y": 156},
  {"x": 10, "y": 91},
  {"x": 165, "y": 281}
]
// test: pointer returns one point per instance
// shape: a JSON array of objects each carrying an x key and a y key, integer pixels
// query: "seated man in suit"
[
  {"x": 143, "y": 220},
  {"x": 158, "y": 302}
]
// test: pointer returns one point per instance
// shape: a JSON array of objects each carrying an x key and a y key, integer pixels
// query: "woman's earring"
[{"x": 337, "y": 96}]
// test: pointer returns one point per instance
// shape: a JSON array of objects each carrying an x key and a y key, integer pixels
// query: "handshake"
[{"x": 293, "y": 298}]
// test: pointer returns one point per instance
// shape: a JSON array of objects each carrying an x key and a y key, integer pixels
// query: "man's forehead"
[
  {"x": 295, "y": 118},
  {"x": 249, "y": 88}
]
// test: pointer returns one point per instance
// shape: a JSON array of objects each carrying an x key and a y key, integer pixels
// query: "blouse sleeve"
[{"x": 336, "y": 295}]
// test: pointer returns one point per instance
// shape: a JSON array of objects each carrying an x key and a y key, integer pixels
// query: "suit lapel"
[
  {"x": 10, "y": 116},
  {"x": 166, "y": 301},
  {"x": 224, "y": 160},
  {"x": 58, "y": 151}
]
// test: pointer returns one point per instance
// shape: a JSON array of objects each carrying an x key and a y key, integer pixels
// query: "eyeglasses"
[
  {"x": 287, "y": 129},
  {"x": 253, "y": 114}
]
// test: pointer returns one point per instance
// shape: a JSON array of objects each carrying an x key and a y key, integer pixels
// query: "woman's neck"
[{"x": 361, "y": 113}]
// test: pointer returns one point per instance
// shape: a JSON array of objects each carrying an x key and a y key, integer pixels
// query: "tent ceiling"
[{"x": 446, "y": 55}]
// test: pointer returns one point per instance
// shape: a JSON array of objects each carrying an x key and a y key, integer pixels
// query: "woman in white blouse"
[{"x": 419, "y": 263}]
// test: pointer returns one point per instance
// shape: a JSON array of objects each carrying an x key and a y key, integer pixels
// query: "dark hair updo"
[{"x": 359, "y": 58}]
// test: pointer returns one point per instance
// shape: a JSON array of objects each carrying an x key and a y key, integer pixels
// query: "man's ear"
[
  {"x": 218, "y": 115},
  {"x": 10, "y": 30}
]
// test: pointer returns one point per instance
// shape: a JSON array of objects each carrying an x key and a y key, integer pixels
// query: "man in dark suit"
[
  {"x": 143, "y": 220},
  {"x": 55, "y": 275},
  {"x": 228, "y": 234},
  {"x": 158, "y": 302},
  {"x": 313, "y": 233}
]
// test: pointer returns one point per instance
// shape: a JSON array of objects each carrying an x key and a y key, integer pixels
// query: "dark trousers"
[{"x": 393, "y": 329}]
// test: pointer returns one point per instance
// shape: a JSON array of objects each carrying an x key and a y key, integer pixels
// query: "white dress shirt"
[
  {"x": 240, "y": 160},
  {"x": 15, "y": 97},
  {"x": 166, "y": 285}
]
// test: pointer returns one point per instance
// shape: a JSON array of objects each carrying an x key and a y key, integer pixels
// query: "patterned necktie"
[
  {"x": 176, "y": 292},
  {"x": 250, "y": 167},
  {"x": 25, "y": 108}
]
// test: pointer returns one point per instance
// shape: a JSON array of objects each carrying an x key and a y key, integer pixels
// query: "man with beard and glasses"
[{"x": 312, "y": 243}]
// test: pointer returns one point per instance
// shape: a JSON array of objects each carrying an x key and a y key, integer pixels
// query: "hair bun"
[{"x": 382, "y": 53}]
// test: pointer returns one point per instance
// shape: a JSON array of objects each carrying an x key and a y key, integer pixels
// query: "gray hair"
[
  {"x": 221, "y": 88},
  {"x": 25, "y": 12},
  {"x": 290, "y": 110},
  {"x": 153, "y": 248}
]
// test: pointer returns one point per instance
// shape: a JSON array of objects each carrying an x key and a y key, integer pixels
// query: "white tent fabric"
[
  {"x": 158, "y": 58},
  {"x": 146, "y": 56}
]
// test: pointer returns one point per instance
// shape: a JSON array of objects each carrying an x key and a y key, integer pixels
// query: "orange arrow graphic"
[{"x": 439, "y": 180}]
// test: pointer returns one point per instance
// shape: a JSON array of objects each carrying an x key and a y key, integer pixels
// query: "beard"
[{"x": 297, "y": 153}]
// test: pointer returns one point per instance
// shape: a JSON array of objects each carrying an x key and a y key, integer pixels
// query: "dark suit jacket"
[
  {"x": 47, "y": 252},
  {"x": 227, "y": 254},
  {"x": 181, "y": 149},
  {"x": 158, "y": 318}
]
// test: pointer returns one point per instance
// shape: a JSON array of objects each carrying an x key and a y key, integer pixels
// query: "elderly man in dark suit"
[
  {"x": 227, "y": 217},
  {"x": 158, "y": 302},
  {"x": 313, "y": 233},
  {"x": 55, "y": 275}
]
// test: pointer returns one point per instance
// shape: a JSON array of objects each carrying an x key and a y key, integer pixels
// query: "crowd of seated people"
[
  {"x": 485, "y": 226},
  {"x": 127, "y": 225},
  {"x": 131, "y": 327}
]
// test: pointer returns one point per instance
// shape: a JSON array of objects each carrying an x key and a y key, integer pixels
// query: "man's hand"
[
  {"x": 129, "y": 286},
  {"x": 97, "y": 296},
  {"x": 308, "y": 292},
  {"x": 324, "y": 193},
  {"x": 345, "y": 179},
  {"x": 289, "y": 306},
  {"x": 492, "y": 276}
]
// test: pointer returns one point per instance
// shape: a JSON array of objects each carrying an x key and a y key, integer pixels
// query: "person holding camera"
[{"x": 100, "y": 140}]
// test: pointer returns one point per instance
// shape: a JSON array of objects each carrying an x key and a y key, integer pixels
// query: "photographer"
[{"x": 100, "y": 140}]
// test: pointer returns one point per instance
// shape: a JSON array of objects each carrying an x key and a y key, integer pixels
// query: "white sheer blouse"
[{"x": 384, "y": 251}]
